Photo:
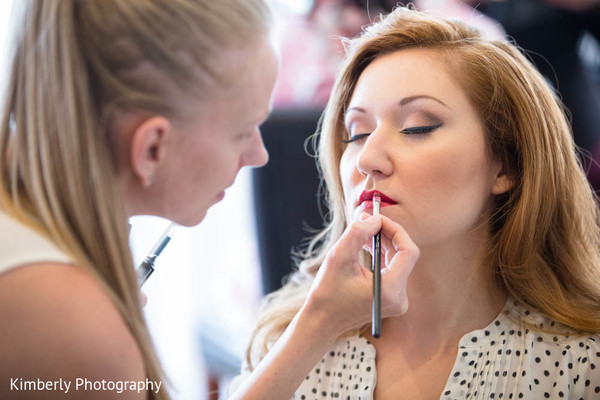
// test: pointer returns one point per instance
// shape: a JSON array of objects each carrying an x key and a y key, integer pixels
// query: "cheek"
[
  {"x": 218, "y": 167},
  {"x": 348, "y": 173},
  {"x": 472, "y": 170},
  {"x": 204, "y": 164},
  {"x": 346, "y": 167},
  {"x": 456, "y": 180}
]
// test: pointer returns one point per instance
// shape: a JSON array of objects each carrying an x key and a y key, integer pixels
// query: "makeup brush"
[
  {"x": 146, "y": 268},
  {"x": 376, "y": 268}
]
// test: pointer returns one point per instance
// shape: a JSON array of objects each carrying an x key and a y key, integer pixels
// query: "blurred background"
[{"x": 205, "y": 293}]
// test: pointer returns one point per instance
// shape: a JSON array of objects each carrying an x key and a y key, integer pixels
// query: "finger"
[
  {"x": 403, "y": 260},
  {"x": 394, "y": 236},
  {"x": 401, "y": 255},
  {"x": 363, "y": 216},
  {"x": 394, "y": 279},
  {"x": 368, "y": 246},
  {"x": 356, "y": 235},
  {"x": 386, "y": 243},
  {"x": 387, "y": 234},
  {"x": 399, "y": 265}
]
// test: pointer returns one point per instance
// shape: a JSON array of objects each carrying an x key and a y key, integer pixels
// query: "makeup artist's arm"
[
  {"x": 339, "y": 300},
  {"x": 59, "y": 325}
]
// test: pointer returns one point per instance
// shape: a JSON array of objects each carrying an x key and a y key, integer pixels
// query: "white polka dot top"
[{"x": 505, "y": 360}]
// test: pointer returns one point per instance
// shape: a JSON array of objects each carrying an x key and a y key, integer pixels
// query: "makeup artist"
[
  {"x": 115, "y": 108},
  {"x": 470, "y": 150}
]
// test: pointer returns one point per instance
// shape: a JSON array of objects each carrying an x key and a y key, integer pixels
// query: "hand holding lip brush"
[
  {"x": 376, "y": 268},
  {"x": 146, "y": 268}
]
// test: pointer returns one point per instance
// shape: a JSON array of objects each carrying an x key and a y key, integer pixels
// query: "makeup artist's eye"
[
  {"x": 356, "y": 138},
  {"x": 420, "y": 129}
]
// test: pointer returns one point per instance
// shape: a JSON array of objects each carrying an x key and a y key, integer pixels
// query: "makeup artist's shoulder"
[{"x": 58, "y": 324}]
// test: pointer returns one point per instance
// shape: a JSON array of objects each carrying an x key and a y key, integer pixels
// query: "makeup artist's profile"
[{"x": 115, "y": 108}]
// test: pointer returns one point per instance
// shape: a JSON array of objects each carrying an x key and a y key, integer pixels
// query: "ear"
[
  {"x": 503, "y": 182},
  {"x": 148, "y": 148}
]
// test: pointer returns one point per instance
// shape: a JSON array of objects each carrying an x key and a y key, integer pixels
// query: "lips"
[{"x": 366, "y": 199}]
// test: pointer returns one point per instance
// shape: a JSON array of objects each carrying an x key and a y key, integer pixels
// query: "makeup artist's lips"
[{"x": 366, "y": 199}]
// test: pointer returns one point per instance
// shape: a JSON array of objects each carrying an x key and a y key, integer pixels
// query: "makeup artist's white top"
[
  {"x": 20, "y": 245},
  {"x": 508, "y": 359}
]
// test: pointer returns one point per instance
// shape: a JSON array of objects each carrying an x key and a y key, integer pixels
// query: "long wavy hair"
[
  {"x": 543, "y": 243},
  {"x": 73, "y": 65}
]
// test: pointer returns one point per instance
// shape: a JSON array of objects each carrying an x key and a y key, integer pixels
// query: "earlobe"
[
  {"x": 503, "y": 181},
  {"x": 502, "y": 184},
  {"x": 148, "y": 148}
]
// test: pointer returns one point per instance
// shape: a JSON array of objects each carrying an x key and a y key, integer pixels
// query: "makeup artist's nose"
[
  {"x": 373, "y": 158},
  {"x": 256, "y": 154}
]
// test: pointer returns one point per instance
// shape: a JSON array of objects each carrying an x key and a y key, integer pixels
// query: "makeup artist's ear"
[
  {"x": 503, "y": 181},
  {"x": 148, "y": 148}
]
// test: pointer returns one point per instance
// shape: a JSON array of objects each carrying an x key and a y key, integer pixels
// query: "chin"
[{"x": 191, "y": 221}]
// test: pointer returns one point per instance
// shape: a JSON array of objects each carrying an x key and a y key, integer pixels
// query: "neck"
[{"x": 449, "y": 294}]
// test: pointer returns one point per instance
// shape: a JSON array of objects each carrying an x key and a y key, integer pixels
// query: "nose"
[
  {"x": 374, "y": 157},
  {"x": 255, "y": 155}
]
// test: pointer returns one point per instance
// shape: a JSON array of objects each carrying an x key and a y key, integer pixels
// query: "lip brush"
[{"x": 376, "y": 268}]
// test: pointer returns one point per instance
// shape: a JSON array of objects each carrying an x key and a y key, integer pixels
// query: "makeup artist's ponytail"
[
  {"x": 58, "y": 180},
  {"x": 73, "y": 64}
]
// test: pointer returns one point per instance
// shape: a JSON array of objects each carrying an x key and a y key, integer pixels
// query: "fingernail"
[
  {"x": 372, "y": 219},
  {"x": 364, "y": 216}
]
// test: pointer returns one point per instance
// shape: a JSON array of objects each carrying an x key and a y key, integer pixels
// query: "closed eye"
[
  {"x": 420, "y": 129},
  {"x": 356, "y": 138},
  {"x": 416, "y": 130}
]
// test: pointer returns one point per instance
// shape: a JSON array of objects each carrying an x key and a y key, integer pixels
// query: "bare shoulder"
[{"x": 58, "y": 325}]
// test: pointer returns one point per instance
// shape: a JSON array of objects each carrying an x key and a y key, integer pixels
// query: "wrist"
[{"x": 319, "y": 321}]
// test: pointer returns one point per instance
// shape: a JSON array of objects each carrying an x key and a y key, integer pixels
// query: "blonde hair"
[
  {"x": 73, "y": 65},
  {"x": 543, "y": 244}
]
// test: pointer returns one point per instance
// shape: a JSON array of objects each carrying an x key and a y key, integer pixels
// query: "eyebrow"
[
  {"x": 410, "y": 99},
  {"x": 402, "y": 102}
]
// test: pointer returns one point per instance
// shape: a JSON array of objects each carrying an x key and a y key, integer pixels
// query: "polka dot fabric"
[
  {"x": 346, "y": 372},
  {"x": 511, "y": 358}
]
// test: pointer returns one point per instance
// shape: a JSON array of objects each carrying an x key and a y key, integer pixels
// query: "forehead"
[{"x": 409, "y": 72}]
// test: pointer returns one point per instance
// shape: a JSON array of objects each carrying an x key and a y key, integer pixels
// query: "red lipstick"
[{"x": 366, "y": 199}]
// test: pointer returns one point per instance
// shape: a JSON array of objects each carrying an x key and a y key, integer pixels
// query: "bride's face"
[{"x": 415, "y": 137}]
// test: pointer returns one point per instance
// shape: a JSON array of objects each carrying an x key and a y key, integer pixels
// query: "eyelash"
[{"x": 417, "y": 130}]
